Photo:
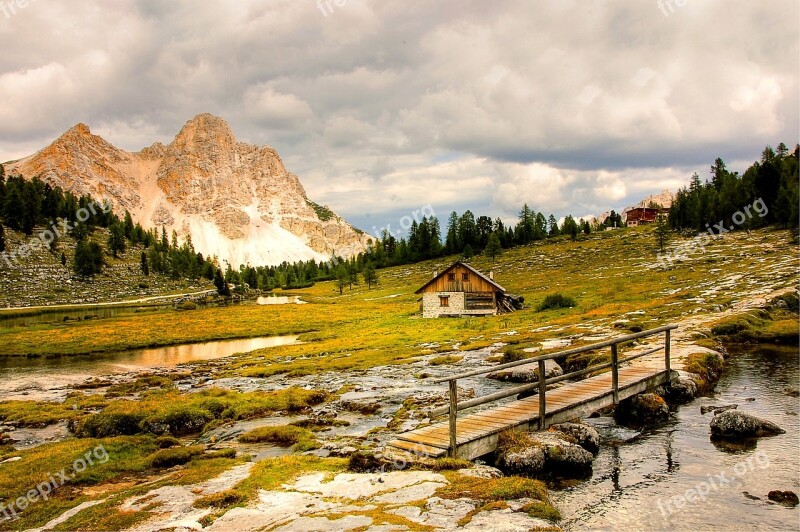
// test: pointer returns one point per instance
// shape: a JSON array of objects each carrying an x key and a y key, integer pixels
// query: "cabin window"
[
  {"x": 451, "y": 277},
  {"x": 465, "y": 277},
  {"x": 444, "y": 301}
]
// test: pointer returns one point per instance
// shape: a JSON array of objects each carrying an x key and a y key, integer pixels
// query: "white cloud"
[{"x": 577, "y": 107}]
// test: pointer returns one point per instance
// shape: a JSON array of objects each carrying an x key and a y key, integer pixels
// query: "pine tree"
[
  {"x": 493, "y": 247},
  {"x": 370, "y": 275},
  {"x": 221, "y": 285},
  {"x": 468, "y": 252},
  {"x": 145, "y": 267},
  {"x": 88, "y": 259},
  {"x": 116, "y": 239},
  {"x": 341, "y": 277},
  {"x": 662, "y": 232}
]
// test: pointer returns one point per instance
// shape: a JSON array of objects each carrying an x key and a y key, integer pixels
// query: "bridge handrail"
[
  {"x": 591, "y": 347},
  {"x": 454, "y": 406}
]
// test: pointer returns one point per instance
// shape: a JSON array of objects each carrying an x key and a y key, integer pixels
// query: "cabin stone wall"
[{"x": 457, "y": 306}]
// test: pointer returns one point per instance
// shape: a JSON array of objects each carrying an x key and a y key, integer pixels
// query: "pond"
[
  {"x": 33, "y": 378},
  {"x": 280, "y": 300}
]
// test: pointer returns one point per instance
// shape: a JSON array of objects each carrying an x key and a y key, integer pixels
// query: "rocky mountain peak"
[{"x": 237, "y": 201}]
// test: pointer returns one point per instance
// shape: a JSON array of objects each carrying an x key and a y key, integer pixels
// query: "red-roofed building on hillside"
[{"x": 643, "y": 215}]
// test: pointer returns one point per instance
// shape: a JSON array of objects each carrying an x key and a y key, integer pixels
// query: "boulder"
[
  {"x": 538, "y": 453},
  {"x": 681, "y": 390},
  {"x": 789, "y": 498},
  {"x": 734, "y": 424},
  {"x": 527, "y": 372},
  {"x": 645, "y": 409},
  {"x": 585, "y": 436}
]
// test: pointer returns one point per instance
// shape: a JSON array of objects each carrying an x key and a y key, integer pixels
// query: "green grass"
[
  {"x": 285, "y": 435},
  {"x": 170, "y": 412}
]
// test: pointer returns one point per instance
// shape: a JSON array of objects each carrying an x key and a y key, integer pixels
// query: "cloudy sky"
[{"x": 383, "y": 107}]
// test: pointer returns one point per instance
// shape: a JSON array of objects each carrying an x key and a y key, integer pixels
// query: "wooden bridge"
[{"x": 476, "y": 434}]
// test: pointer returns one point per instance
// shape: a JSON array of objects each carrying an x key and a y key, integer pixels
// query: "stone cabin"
[{"x": 460, "y": 290}]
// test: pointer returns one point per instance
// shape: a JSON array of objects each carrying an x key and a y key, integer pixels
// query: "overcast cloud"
[{"x": 383, "y": 107}]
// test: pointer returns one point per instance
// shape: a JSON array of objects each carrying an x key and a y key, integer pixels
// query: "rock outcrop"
[
  {"x": 549, "y": 452},
  {"x": 237, "y": 201},
  {"x": 645, "y": 409},
  {"x": 735, "y": 424}
]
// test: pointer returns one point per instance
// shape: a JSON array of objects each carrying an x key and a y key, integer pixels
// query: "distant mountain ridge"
[{"x": 236, "y": 200}]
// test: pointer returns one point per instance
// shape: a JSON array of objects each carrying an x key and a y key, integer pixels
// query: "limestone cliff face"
[{"x": 236, "y": 200}]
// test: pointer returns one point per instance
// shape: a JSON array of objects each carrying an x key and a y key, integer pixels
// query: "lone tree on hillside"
[
  {"x": 662, "y": 232},
  {"x": 341, "y": 277},
  {"x": 493, "y": 247},
  {"x": 88, "y": 259},
  {"x": 370, "y": 275}
]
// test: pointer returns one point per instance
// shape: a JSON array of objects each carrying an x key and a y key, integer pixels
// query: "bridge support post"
[
  {"x": 615, "y": 373},
  {"x": 453, "y": 451},
  {"x": 542, "y": 399},
  {"x": 667, "y": 337}
]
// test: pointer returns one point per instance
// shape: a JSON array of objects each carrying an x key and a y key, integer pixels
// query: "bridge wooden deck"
[{"x": 477, "y": 434}]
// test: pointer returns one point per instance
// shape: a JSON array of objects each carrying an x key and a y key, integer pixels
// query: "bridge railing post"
[
  {"x": 453, "y": 451},
  {"x": 667, "y": 338},
  {"x": 615, "y": 373},
  {"x": 542, "y": 398}
]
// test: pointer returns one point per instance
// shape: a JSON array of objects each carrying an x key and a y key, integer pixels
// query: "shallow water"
[
  {"x": 280, "y": 300},
  {"x": 33, "y": 377},
  {"x": 643, "y": 481}
]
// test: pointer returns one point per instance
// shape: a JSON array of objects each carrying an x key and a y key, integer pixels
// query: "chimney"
[
  {"x": 435, "y": 273},
  {"x": 491, "y": 275}
]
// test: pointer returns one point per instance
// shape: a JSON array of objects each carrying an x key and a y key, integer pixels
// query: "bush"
[
  {"x": 165, "y": 442},
  {"x": 512, "y": 354},
  {"x": 223, "y": 499},
  {"x": 104, "y": 425},
  {"x": 283, "y": 436},
  {"x": 177, "y": 456},
  {"x": 556, "y": 301}
]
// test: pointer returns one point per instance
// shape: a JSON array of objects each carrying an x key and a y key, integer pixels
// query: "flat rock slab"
[
  {"x": 506, "y": 521},
  {"x": 355, "y": 486}
]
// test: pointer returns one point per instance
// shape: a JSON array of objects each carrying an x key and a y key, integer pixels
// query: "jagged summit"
[{"x": 236, "y": 200}]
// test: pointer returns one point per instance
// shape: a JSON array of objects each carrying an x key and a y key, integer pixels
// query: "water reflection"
[
  {"x": 280, "y": 300},
  {"x": 33, "y": 376}
]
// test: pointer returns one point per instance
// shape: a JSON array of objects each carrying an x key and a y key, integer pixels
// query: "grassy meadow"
[{"x": 613, "y": 277}]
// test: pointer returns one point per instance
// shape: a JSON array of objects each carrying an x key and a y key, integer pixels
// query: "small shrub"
[
  {"x": 223, "y": 499},
  {"x": 284, "y": 436},
  {"x": 445, "y": 359},
  {"x": 106, "y": 425},
  {"x": 365, "y": 462},
  {"x": 187, "y": 305},
  {"x": 178, "y": 456},
  {"x": 512, "y": 354},
  {"x": 165, "y": 442},
  {"x": 556, "y": 301}
]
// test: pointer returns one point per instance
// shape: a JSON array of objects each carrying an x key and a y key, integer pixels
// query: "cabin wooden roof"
[{"x": 447, "y": 270}]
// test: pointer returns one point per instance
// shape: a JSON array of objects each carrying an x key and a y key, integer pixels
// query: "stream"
[{"x": 637, "y": 476}]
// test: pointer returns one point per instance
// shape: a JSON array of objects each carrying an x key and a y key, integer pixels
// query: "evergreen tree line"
[
  {"x": 773, "y": 180},
  {"x": 468, "y": 235}
]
